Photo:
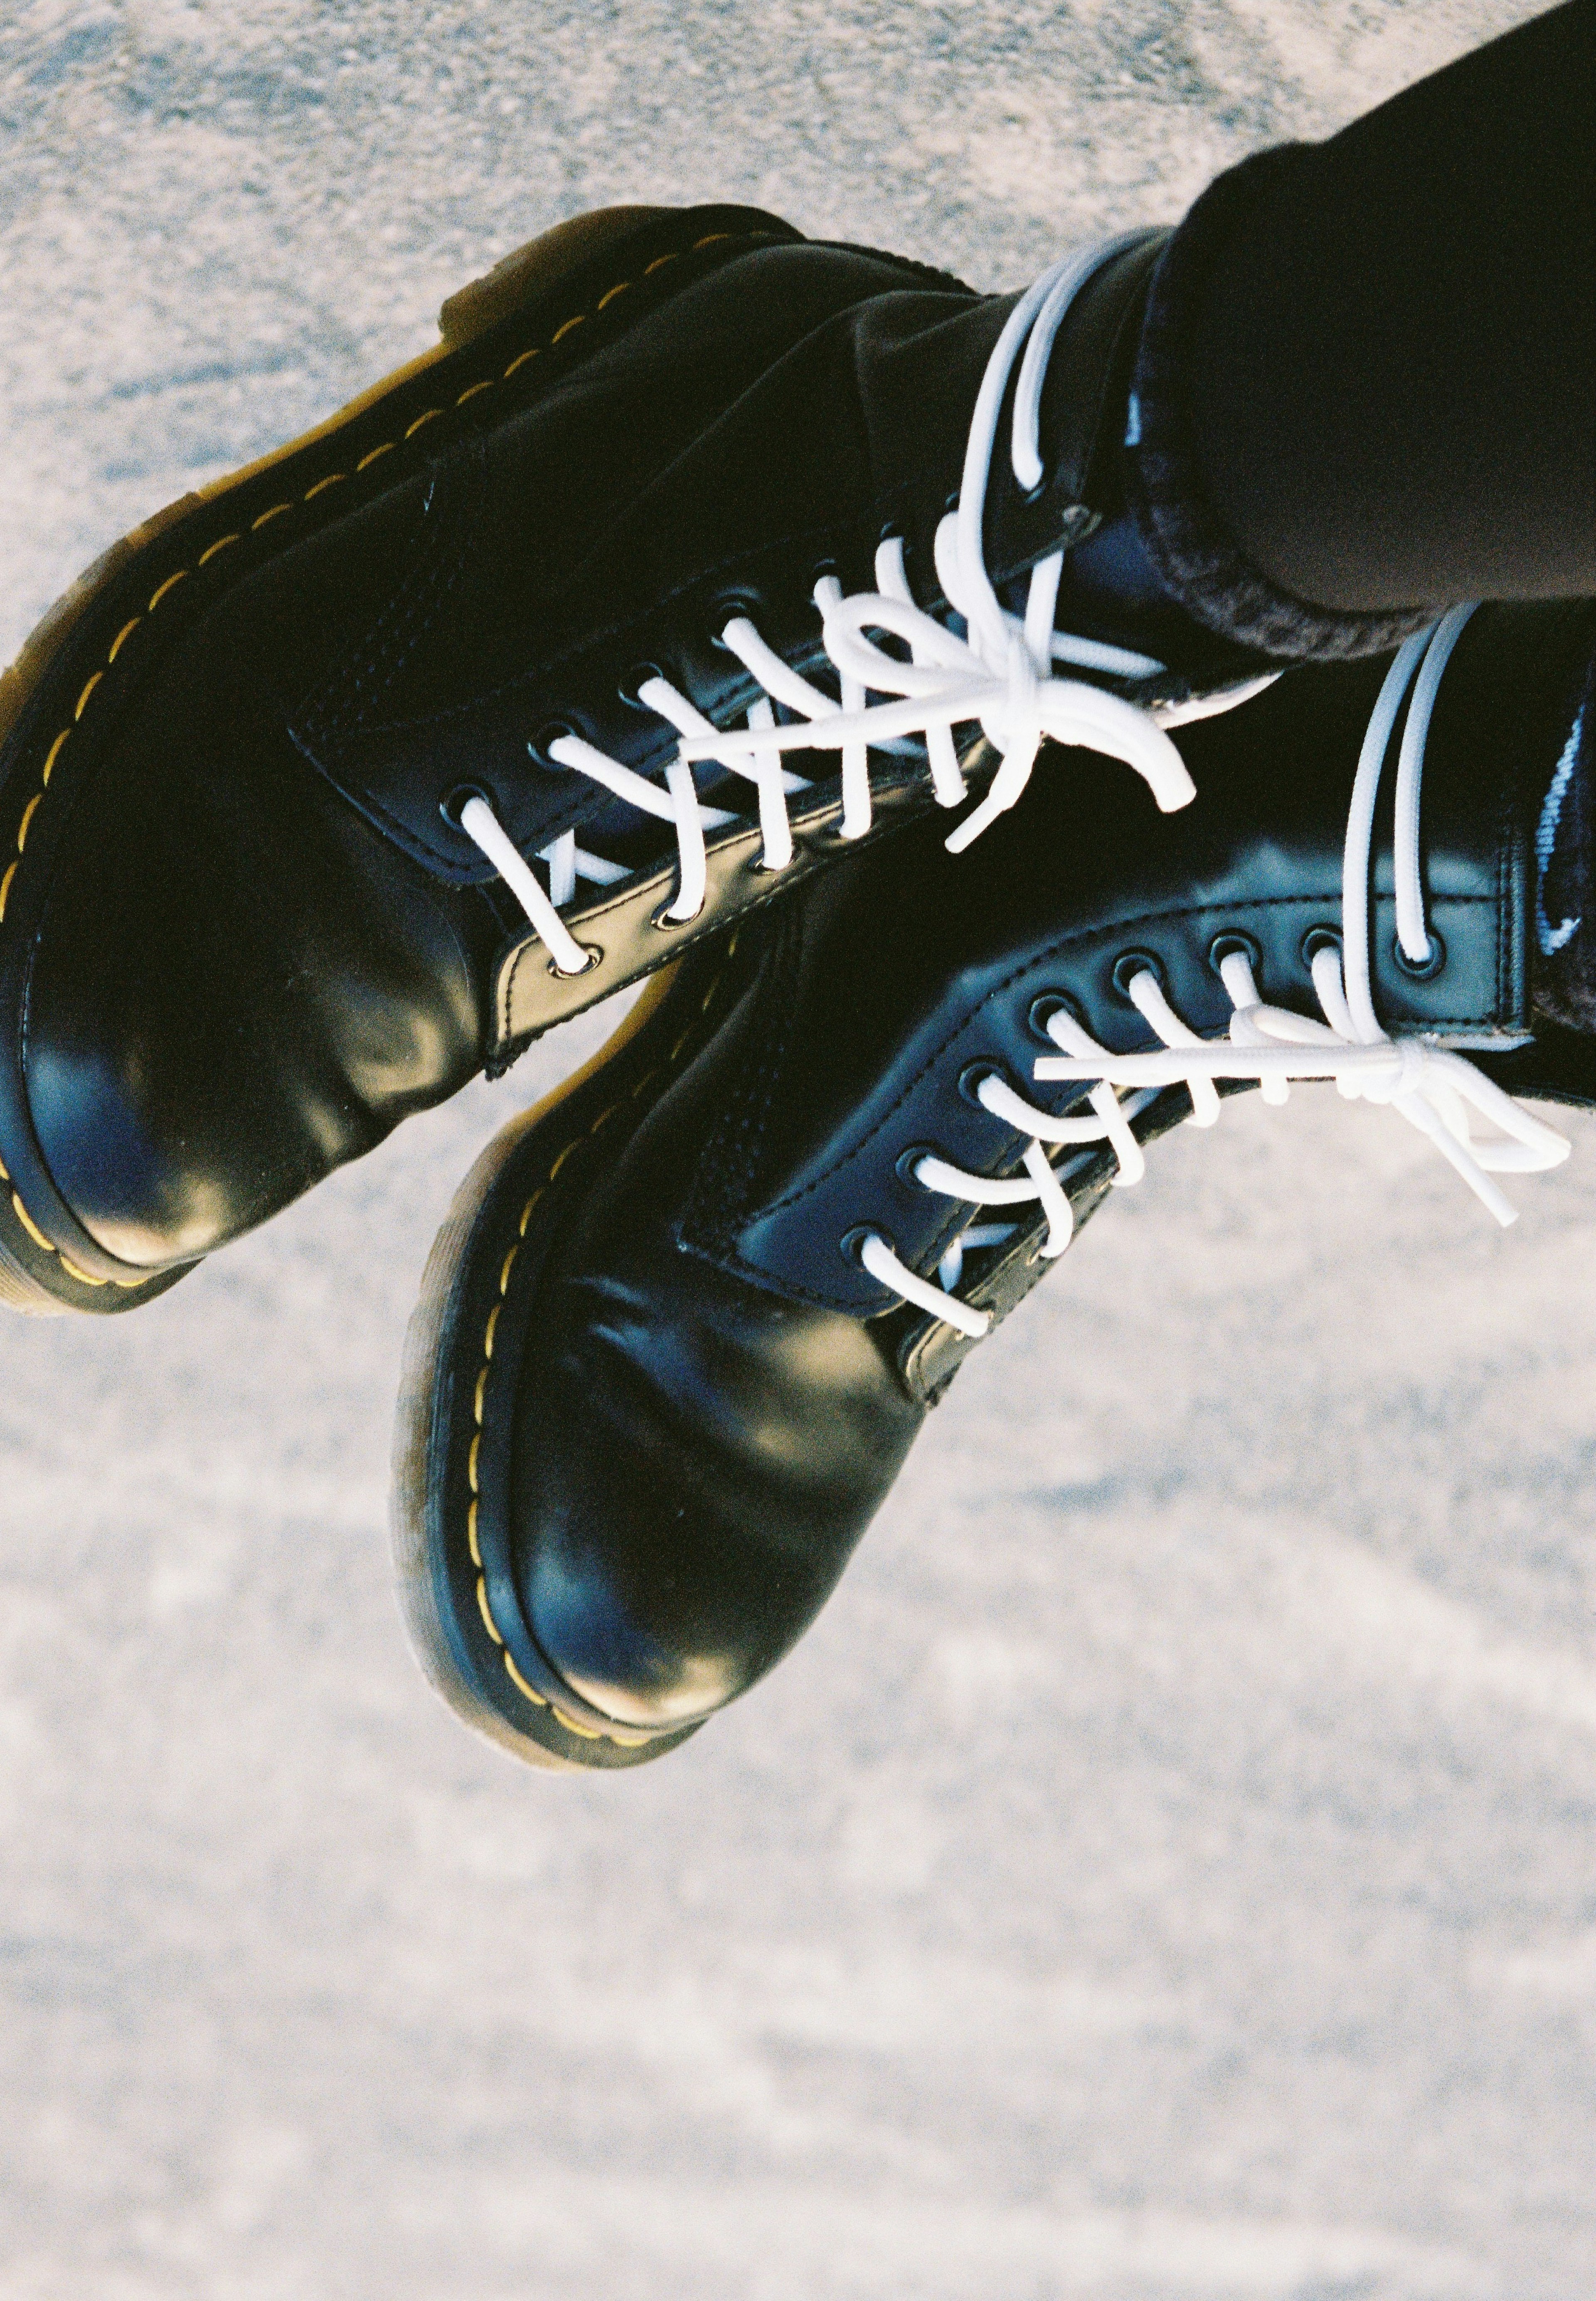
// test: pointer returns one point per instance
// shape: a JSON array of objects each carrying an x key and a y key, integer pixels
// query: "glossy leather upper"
[
  {"x": 713, "y": 1396},
  {"x": 256, "y": 939}
]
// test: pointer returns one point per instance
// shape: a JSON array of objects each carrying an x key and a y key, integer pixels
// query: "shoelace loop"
[
  {"x": 1434, "y": 1088},
  {"x": 1000, "y": 674}
]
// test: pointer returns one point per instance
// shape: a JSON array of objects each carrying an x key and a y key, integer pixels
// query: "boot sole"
[
  {"x": 457, "y": 1391},
  {"x": 72, "y": 657}
]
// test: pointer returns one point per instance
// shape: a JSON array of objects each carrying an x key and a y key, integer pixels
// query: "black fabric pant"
[{"x": 1384, "y": 346}]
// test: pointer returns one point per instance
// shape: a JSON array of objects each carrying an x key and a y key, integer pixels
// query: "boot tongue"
[{"x": 894, "y": 978}]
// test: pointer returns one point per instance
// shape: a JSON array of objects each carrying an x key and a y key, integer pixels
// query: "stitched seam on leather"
[
  {"x": 163, "y": 589},
  {"x": 671, "y": 1061},
  {"x": 223, "y": 542},
  {"x": 603, "y": 636},
  {"x": 998, "y": 991},
  {"x": 338, "y": 707},
  {"x": 723, "y": 1175},
  {"x": 570, "y": 814}
]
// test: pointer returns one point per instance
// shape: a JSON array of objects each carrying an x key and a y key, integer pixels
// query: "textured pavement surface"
[{"x": 1167, "y": 1869}]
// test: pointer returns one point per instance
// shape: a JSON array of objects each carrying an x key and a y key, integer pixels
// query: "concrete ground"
[{"x": 1167, "y": 1869}]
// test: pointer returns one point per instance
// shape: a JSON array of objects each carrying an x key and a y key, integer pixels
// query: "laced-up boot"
[
  {"x": 687, "y": 1316},
  {"x": 634, "y": 603}
]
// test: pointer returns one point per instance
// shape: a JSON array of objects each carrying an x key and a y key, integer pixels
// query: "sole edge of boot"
[
  {"x": 418, "y": 1521},
  {"x": 519, "y": 278}
]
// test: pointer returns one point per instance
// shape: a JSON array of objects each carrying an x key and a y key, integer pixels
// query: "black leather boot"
[
  {"x": 687, "y": 1316},
  {"x": 359, "y": 769}
]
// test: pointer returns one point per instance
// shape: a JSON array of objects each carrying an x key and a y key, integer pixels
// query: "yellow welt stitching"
[
  {"x": 603, "y": 1118},
  {"x": 30, "y": 1226},
  {"x": 28, "y": 815},
  {"x": 492, "y": 1625},
  {"x": 82, "y": 1276},
  {"x": 54, "y": 753},
  {"x": 588, "y": 1732},
  {"x": 329, "y": 481},
  {"x": 87, "y": 691},
  {"x": 681, "y": 1042},
  {"x": 276, "y": 510},
  {"x": 472, "y": 391},
  {"x": 531, "y": 1692},
  {"x": 5, "y": 1172}
]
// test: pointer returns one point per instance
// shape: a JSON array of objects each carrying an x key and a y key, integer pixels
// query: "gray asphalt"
[{"x": 1166, "y": 1870}]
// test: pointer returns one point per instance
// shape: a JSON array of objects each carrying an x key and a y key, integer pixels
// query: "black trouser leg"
[{"x": 1370, "y": 367}]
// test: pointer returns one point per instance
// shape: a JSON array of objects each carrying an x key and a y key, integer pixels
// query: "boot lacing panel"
[
  {"x": 1433, "y": 1088},
  {"x": 998, "y": 673}
]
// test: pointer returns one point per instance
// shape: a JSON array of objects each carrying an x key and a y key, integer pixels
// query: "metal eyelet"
[
  {"x": 1049, "y": 1003},
  {"x": 1420, "y": 970},
  {"x": 1129, "y": 964},
  {"x": 850, "y": 1246},
  {"x": 628, "y": 688},
  {"x": 1227, "y": 946},
  {"x": 454, "y": 804},
  {"x": 726, "y": 610},
  {"x": 1318, "y": 938},
  {"x": 595, "y": 958},
  {"x": 538, "y": 750},
  {"x": 667, "y": 925},
  {"x": 973, "y": 1077},
  {"x": 908, "y": 1160}
]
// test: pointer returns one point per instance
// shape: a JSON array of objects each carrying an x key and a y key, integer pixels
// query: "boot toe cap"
[{"x": 673, "y": 1533}]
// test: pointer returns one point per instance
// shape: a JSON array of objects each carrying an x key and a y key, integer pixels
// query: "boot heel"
[
  {"x": 19, "y": 1291},
  {"x": 529, "y": 272}
]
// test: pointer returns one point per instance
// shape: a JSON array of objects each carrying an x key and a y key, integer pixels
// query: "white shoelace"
[
  {"x": 999, "y": 675},
  {"x": 1433, "y": 1088}
]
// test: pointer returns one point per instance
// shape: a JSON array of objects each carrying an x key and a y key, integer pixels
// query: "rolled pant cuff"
[{"x": 1185, "y": 536}]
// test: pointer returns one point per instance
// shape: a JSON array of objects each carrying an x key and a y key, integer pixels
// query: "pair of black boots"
[{"x": 787, "y": 624}]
